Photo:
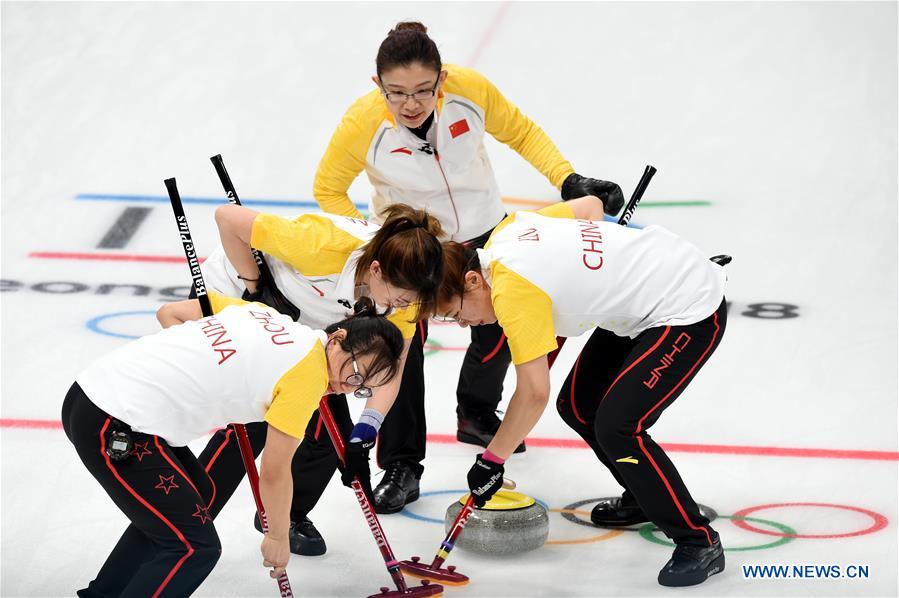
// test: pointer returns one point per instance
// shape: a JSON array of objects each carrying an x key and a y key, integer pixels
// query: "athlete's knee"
[
  {"x": 207, "y": 548},
  {"x": 198, "y": 551},
  {"x": 206, "y": 557},
  {"x": 563, "y": 406},
  {"x": 205, "y": 487},
  {"x": 574, "y": 420},
  {"x": 609, "y": 430}
]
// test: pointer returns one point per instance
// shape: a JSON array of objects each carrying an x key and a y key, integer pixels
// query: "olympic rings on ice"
[
  {"x": 647, "y": 532},
  {"x": 878, "y": 521},
  {"x": 94, "y": 323}
]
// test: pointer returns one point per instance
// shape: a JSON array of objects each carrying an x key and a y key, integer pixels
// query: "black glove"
[
  {"x": 609, "y": 193},
  {"x": 269, "y": 294},
  {"x": 356, "y": 465},
  {"x": 484, "y": 479}
]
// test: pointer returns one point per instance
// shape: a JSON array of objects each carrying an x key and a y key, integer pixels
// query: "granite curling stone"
[{"x": 510, "y": 523}]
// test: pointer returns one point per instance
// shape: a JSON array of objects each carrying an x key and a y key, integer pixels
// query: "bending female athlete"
[
  {"x": 131, "y": 414},
  {"x": 656, "y": 309},
  {"x": 321, "y": 264}
]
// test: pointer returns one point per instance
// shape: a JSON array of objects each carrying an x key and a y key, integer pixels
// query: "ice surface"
[{"x": 782, "y": 116}]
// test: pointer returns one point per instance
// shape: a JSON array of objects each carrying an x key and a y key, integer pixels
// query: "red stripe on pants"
[
  {"x": 219, "y": 450},
  {"x": 630, "y": 367},
  {"x": 318, "y": 426},
  {"x": 573, "y": 406},
  {"x": 671, "y": 493},
  {"x": 687, "y": 375},
  {"x": 215, "y": 456},
  {"x": 496, "y": 349},
  {"x": 639, "y": 428},
  {"x": 172, "y": 463},
  {"x": 190, "y": 549}
]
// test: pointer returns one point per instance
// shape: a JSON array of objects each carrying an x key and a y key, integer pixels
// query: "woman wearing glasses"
[
  {"x": 655, "y": 307},
  {"x": 132, "y": 413},
  {"x": 419, "y": 137},
  {"x": 321, "y": 264}
]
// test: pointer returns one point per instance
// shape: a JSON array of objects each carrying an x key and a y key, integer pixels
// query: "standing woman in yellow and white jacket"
[{"x": 419, "y": 136}]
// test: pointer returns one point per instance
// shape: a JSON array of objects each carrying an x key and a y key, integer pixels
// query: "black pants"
[
  {"x": 171, "y": 545},
  {"x": 315, "y": 461},
  {"x": 616, "y": 391},
  {"x": 483, "y": 371}
]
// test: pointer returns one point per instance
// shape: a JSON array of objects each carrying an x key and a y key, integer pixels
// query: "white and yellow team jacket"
[
  {"x": 244, "y": 364},
  {"x": 449, "y": 174},
  {"x": 554, "y": 277},
  {"x": 313, "y": 260}
]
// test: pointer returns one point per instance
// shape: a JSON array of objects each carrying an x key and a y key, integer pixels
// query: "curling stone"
[{"x": 510, "y": 523}]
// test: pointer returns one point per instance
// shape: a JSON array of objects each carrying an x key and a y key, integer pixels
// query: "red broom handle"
[
  {"x": 393, "y": 567},
  {"x": 246, "y": 453}
]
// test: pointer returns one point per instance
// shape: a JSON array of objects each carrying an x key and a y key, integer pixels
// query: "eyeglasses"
[
  {"x": 399, "y": 97},
  {"x": 401, "y": 303},
  {"x": 452, "y": 319},
  {"x": 356, "y": 379}
]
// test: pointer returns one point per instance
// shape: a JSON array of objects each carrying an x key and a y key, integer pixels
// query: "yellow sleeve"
[
  {"x": 345, "y": 155},
  {"x": 404, "y": 319},
  {"x": 508, "y": 125},
  {"x": 220, "y": 302},
  {"x": 311, "y": 243},
  {"x": 525, "y": 313},
  {"x": 297, "y": 393},
  {"x": 560, "y": 209}
]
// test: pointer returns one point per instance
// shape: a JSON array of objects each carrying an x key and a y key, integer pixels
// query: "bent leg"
[{"x": 662, "y": 364}]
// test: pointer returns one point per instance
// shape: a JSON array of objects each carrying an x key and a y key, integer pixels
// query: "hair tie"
[{"x": 364, "y": 306}]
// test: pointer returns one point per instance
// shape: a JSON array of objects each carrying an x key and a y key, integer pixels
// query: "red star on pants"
[
  {"x": 140, "y": 450},
  {"x": 202, "y": 513},
  {"x": 166, "y": 483}
]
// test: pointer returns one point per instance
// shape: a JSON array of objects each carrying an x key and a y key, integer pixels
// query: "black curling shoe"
[
  {"x": 304, "y": 538},
  {"x": 480, "y": 429},
  {"x": 691, "y": 565},
  {"x": 620, "y": 511},
  {"x": 398, "y": 487}
]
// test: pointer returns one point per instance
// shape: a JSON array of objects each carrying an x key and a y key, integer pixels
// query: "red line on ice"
[
  {"x": 570, "y": 443},
  {"x": 489, "y": 33},
  {"x": 109, "y": 257}
]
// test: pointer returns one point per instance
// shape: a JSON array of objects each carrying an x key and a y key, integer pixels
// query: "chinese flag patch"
[{"x": 458, "y": 128}]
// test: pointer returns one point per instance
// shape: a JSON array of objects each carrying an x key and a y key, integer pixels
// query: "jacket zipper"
[{"x": 449, "y": 191}]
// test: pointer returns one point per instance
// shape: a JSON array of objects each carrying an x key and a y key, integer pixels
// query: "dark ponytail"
[
  {"x": 409, "y": 252},
  {"x": 407, "y": 43},
  {"x": 368, "y": 333}
]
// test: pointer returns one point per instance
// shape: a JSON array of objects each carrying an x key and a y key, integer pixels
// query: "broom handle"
[{"x": 393, "y": 567}]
